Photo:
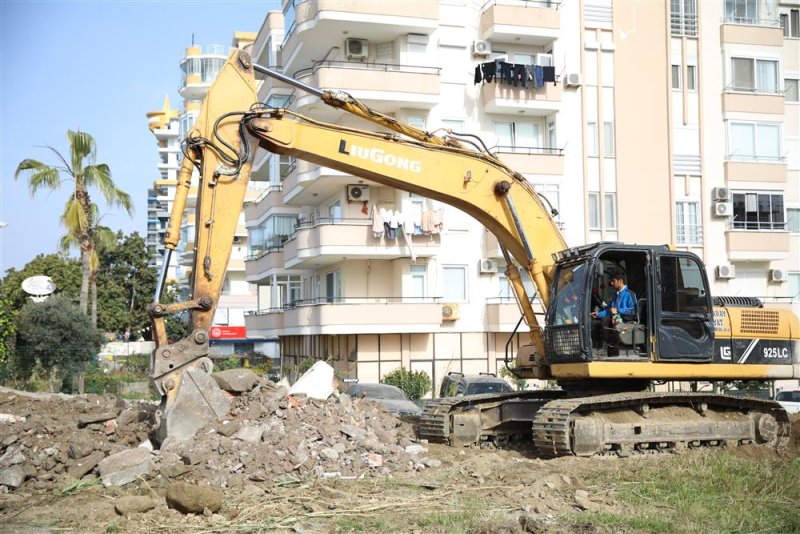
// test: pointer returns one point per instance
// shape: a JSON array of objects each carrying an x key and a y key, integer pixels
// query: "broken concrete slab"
[
  {"x": 13, "y": 476},
  {"x": 249, "y": 433},
  {"x": 236, "y": 380},
  {"x": 126, "y": 466},
  {"x": 316, "y": 383},
  {"x": 90, "y": 418},
  {"x": 84, "y": 466},
  {"x": 193, "y": 499}
]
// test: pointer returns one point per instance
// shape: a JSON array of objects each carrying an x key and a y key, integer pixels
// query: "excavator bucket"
[{"x": 197, "y": 402}]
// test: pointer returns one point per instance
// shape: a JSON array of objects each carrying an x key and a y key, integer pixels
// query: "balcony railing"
[
  {"x": 526, "y": 150},
  {"x": 385, "y": 67},
  {"x": 332, "y": 220},
  {"x": 733, "y": 88},
  {"x": 318, "y": 301},
  {"x": 521, "y": 3},
  {"x": 256, "y": 253},
  {"x": 751, "y": 21},
  {"x": 754, "y": 158}
]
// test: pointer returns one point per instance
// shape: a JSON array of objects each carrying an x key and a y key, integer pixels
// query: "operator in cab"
[{"x": 613, "y": 317}]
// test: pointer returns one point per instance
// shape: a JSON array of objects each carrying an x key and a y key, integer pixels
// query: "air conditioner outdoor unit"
[
  {"x": 356, "y": 48},
  {"x": 723, "y": 209},
  {"x": 573, "y": 79},
  {"x": 358, "y": 193},
  {"x": 777, "y": 275},
  {"x": 487, "y": 266},
  {"x": 721, "y": 194},
  {"x": 450, "y": 312},
  {"x": 481, "y": 48},
  {"x": 726, "y": 271}
]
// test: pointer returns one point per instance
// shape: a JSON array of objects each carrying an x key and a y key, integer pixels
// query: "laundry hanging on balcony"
[
  {"x": 387, "y": 222},
  {"x": 515, "y": 74}
]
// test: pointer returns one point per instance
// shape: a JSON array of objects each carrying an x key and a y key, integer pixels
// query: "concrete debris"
[
  {"x": 134, "y": 504},
  {"x": 316, "y": 383},
  {"x": 193, "y": 499},
  {"x": 126, "y": 466},
  {"x": 12, "y": 476},
  {"x": 11, "y": 418},
  {"x": 84, "y": 466},
  {"x": 236, "y": 380}
]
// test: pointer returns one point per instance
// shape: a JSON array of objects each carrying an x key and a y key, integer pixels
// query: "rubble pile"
[{"x": 49, "y": 441}]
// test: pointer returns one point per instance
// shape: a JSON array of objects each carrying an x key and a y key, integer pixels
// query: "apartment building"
[
  {"x": 644, "y": 122},
  {"x": 199, "y": 67}
]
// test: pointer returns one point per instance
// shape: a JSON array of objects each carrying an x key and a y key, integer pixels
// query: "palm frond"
[
  {"x": 66, "y": 168},
  {"x": 40, "y": 175},
  {"x": 81, "y": 146},
  {"x": 74, "y": 218},
  {"x": 68, "y": 241},
  {"x": 104, "y": 239}
]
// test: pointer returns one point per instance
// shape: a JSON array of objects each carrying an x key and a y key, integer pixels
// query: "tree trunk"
[
  {"x": 94, "y": 299},
  {"x": 85, "y": 281}
]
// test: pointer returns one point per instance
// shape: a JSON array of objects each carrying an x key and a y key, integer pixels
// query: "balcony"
[
  {"x": 532, "y": 160},
  {"x": 385, "y": 86},
  {"x": 530, "y": 101},
  {"x": 502, "y": 314},
  {"x": 313, "y": 27},
  {"x": 362, "y": 316},
  {"x": 328, "y": 241},
  {"x": 270, "y": 198},
  {"x": 751, "y": 31},
  {"x": 267, "y": 323},
  {"x": 767, "y": 170},
  {"x": 526, "y": 22},
  {"x": 746, "y": 245},
  {"x": 749, "y": 101},
  {"x": 263, "y": 264},
  {"x": 307, "y": 182}
]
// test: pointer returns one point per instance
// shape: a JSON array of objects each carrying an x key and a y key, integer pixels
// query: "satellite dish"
[{"x": 38, "y": 286}]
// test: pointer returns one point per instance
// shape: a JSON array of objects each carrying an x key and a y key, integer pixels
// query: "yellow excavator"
[{"x": 676, "y": 332}]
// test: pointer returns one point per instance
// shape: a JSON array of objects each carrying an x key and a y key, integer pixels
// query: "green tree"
[
  {"x": 65, "y": 273},
  {"x": 78, "y": 217},
  {"x": 56, "y": 335},
  {"x": 104, "y": 239},
  {"x": 8, "y": 330},
  {"x": 125, "y": 285},
  {"x": 415, "y": 384}
]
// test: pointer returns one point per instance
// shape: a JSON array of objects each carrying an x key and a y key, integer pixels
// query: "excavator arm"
[{"x": 219, "y": 148}]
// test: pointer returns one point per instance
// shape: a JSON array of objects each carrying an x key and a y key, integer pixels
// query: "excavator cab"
[{"x": 672, "y": 319}]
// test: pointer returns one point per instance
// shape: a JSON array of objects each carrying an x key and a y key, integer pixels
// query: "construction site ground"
[{"x": 346, "y": 465}]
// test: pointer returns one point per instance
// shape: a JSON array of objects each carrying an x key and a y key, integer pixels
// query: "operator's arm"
[{"x": 625, "y": 304}]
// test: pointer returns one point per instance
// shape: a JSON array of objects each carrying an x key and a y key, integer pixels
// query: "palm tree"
[
  {"x": 103, "y": 239},
  {"x": 78, "y": 216}
]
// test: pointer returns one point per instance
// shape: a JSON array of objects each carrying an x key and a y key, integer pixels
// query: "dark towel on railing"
[
  {"x": 549, "y": 74},
  {"x": 489, "y": 71}
]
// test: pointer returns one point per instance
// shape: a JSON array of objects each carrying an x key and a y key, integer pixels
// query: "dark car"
[
  {"x": 391, "y": 397},
  {"x": 455, "y": 384}
]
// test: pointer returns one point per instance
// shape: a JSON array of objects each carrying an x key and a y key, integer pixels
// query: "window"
[
  {"x": 691, "y": 77},
  {"x": 279, "y": 101},
  {"x": 270, "y": 234},
  {"x": 594, "y": 211},
  {"x": 517, "y": 135},
  {"x": 683, "y": 17},
  {"x": 687, "y": 223},
  {"x": 551, "y": 130},
  {"x": 676, "y": 76},
  {"x": 550, "y": 192},
  {"x": 608, "y": 138},
  {"x": 757, "y": 75},
  {"x": 610, "y": 211},
  {"x": 741, "y": 11},
  {"x": 335, "y": 211},
  {"x": 758, "y": 211},
  {"x": 790, "y": 22},
  {"x": 333, "y": 286},
  {"x": 419, "y": 276},
  {"x": 505, "y": 287},
  {"x": 454, "y": 282},
  {"x": 752, "y": 141},
  {"x": 794, "y": 285},
  {"x": 591, "y": 139},
  {"x": 790, "y": 90},
  {"x": 793, "y": 220}
]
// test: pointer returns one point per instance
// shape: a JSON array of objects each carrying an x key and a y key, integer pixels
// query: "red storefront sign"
[{"x": 228, "y": 332}]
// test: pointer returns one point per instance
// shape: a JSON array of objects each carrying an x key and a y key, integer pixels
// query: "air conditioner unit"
[
  {"x": 721, "y": 194},
  {"x": 726, "y": 271},
  {"x": 481, "y": 48},
  {"x": 358, "y": 193},
  {"x": 487, "y": 266},
  {"x": 356, "y": 48},
  {"x": 723, "y": 209},
  {"x": 777, "y": 275},
  {"x": 450, "y": 312},
  {"x": 573, "y": 79}
]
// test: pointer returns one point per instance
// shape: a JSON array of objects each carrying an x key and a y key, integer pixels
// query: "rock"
[
  {"x": 431, "y": 462},
  {"x": 352, "y": 432},
  {"x": 191, "y": 499},
  {"x": 12, "y": 476},
  {"x": 126, "y": 466},
  {"x": 88, "y": 419},
  {"x": 415, "y": 449},
  {"x": 80, "y": 447},
  {"x": 134, "y": 504},
  {"x": 249, "y": 433},
  {"x": 236, "y": 380},
  {"x": 84, "y": 466},
  {"x": 329, "y": 454},
  {"x": 195, "y": 457},
  {"x": 228, "y": 428},
  {"x": 581, "y": 494}
]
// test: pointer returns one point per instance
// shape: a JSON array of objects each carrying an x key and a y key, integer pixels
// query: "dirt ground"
[{"x": 415, "y": 487}]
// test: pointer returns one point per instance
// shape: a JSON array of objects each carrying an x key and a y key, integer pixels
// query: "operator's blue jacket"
[{"x": 624, "y": 301}]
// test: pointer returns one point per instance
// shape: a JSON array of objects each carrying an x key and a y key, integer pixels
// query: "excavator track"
[{"x": 634, "y": 423}]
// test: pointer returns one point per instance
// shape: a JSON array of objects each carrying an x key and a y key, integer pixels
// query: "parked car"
[
  {"x": 455, "y": 384},
  {"x": 790, "y": 400},
  {"x": 391, "y": 397}
]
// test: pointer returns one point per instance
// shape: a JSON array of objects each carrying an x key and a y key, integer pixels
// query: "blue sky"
[{"x": 98, "y": 67}]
